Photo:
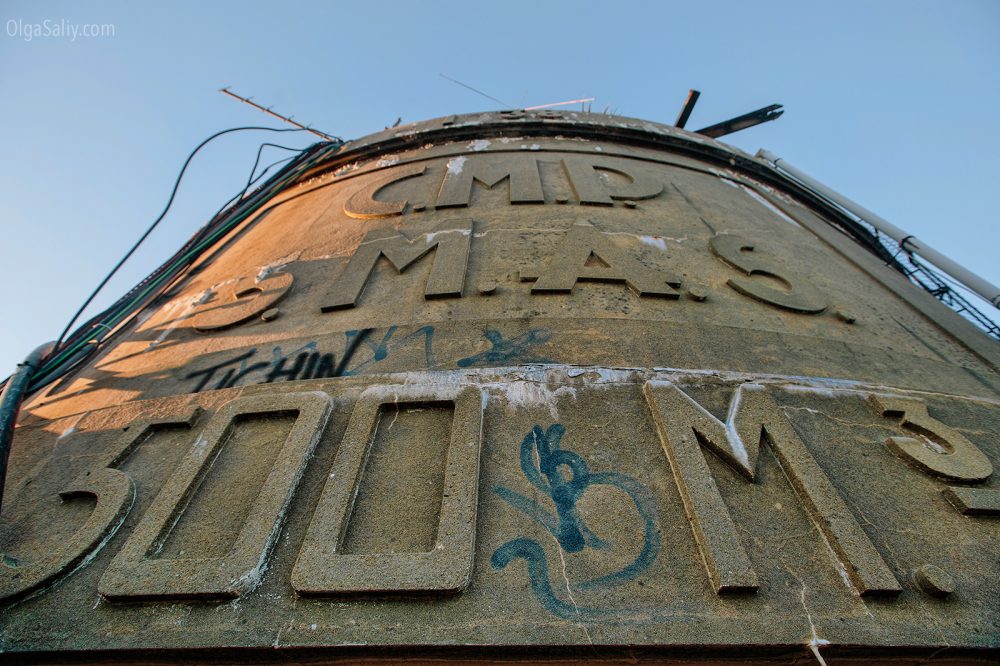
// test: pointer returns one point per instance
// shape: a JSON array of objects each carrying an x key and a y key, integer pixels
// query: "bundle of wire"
[{"x": 74, "y": 349}]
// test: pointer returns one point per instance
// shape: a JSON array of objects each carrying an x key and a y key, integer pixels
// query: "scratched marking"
[
  {"x": 566, "y": 525},
  {"x": 307, "y": 362}
]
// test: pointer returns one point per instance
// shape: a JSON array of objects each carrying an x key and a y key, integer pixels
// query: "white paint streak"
[
  {"x": 842, "y": 570},
  {"x": 733, "y": 439},
  {"x": 205, "y": 297},
  {"x": 70, "y": 430},
  {"x": 201, "y": 446},
  {"x": 524, "y": 394},
  {"x": 347, "y": 168},
  {"x": 932, "y": 445},
  {"x": 479, "y": 145},
  {"x": 434, "y": 234},
  {"x": 650, "y": 127},
  {"x": 654, "y": 241},
  {"x": 185, "y": 307},
  {"x": 736, "y": 444},
  {"x": 768, "y": 205},
  {"x": 557, "y": 374},
  {"x": 274, "y": 267},
  {"x": 658, "y": 242},
  {"x": 455, "y": 165}
]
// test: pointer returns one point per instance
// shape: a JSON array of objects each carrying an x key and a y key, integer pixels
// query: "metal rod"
[
  {"x": 689, "y": 103},
  {"x": 546, "y": 106},
  {"x": 907, "y": 241},
  {"x": 280, "y": 117},
  {"x": 478, "y": 92},
  {"x": 767, "y": 114}
]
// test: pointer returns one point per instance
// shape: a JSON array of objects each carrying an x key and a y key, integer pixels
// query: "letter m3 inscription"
[{"x": 685, "y": 426}]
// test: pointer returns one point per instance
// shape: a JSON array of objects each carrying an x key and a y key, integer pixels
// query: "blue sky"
[{"x": 894, "y": 103}]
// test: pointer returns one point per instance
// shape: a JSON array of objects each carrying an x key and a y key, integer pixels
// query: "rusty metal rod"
[
  {"x": 767, "y": 114},
  {"x": 689, "y": 103}
]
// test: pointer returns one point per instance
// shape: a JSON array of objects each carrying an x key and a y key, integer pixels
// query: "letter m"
[
  {"x": 447, "y": 276},
  {"x": 685, "y": 427}
]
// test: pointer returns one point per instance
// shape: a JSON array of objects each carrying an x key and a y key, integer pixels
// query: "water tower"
[{"x": 528, "y": 385}]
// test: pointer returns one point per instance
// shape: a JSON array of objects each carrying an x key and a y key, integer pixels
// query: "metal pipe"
[
  {"x": 767, "y": 114},
  {"x": 907, "y": 241},
  {"x": 10, "y": 404}
]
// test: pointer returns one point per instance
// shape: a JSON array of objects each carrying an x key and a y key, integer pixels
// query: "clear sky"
[{"x": 894, "y": 103}]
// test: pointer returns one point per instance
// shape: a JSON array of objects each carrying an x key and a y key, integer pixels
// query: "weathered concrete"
[{"x": 522, "y": 379}]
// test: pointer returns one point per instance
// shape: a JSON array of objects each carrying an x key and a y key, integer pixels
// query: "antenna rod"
[
  {"x": 280, "y": 117},
  {"x": 547, "y": 106},
  {"x": 478, "y": 92}
]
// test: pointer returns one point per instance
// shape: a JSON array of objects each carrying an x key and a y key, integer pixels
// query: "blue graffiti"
[
  {"x": 381, "y": 349},
  {"x": 513, "y": 350},
  {"x": 564, "y": 476},
  {"x": 538, "y": 577}
]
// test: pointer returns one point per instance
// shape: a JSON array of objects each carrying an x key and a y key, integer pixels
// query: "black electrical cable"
[
  {"x": 82, "y": 343},
  {"x": 243, "y": 197},
  {"x": 260, "y": 151},
  {"x": 197, "y": 236},
  {"x": 251, "y": 180},
  {"x": 159, "y": 218},
  {"x": 67, "y": 362}
]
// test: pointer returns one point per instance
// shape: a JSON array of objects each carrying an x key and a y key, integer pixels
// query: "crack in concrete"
[
  {"x": 815, "y": 643},
  {"x": 868, "y": 426},
  {"x": 569, "y": 592}
]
